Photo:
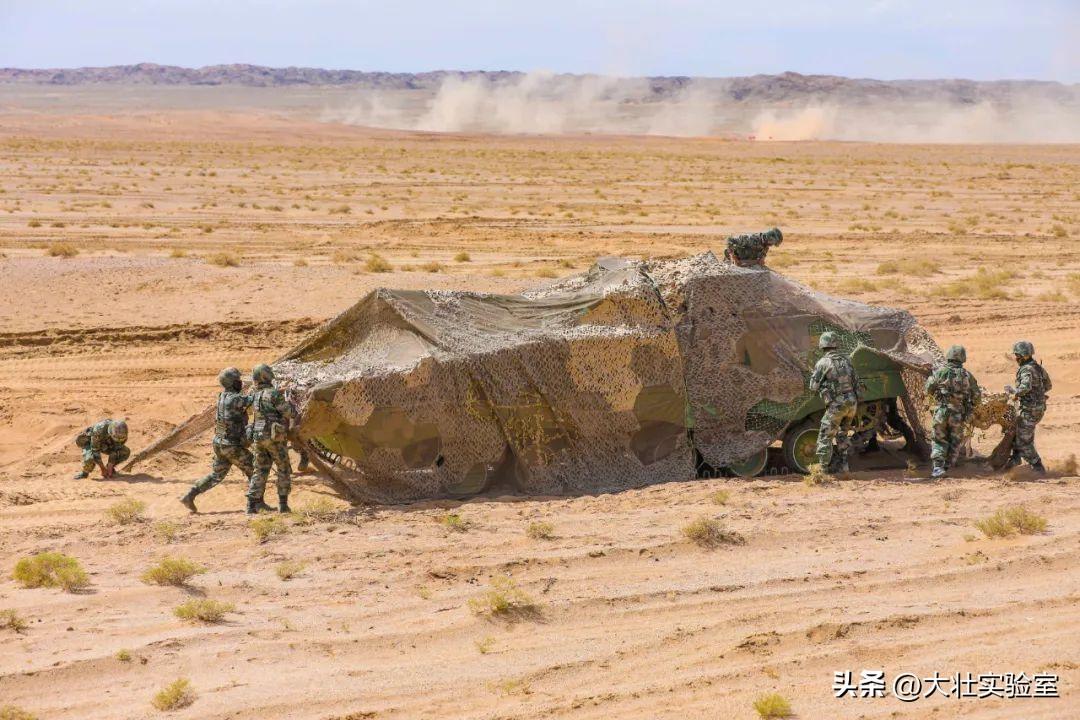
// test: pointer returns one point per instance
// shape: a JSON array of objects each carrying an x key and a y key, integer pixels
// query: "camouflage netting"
[{"x": 607, "y": 380}]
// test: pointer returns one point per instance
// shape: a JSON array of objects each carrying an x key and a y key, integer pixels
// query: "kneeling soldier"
[{"x": 108, "y": 438}]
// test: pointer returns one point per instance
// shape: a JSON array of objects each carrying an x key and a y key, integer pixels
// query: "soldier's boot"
[
  {"x": 303, "y": 465},
  {"x": 261, "y": 506},
  {"x": 253, "y": 507},
  {"x": 81, "y": 475},
  {"x": 1014, "y": 460},
  {"x": 938, "y": 471},
  {"x": 283, "y": 504},
  {"x": 1039, "y": 467},
  {"x": 188, "y": 500}
]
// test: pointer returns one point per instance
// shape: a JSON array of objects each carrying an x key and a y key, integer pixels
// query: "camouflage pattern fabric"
[
  {"x": 956, "y": 394},
  {"x": 750, "y": 249},
  {"x": 836, "y": 381},
  {"x": 1032, "y": 385},
  {"x": 271, "y": 408},
  {"x": 270, "y": 453},
  {"x": 226, "y": 456},
  {"x": 102, "y": 443},
  {"x": 230, "y": 422}
]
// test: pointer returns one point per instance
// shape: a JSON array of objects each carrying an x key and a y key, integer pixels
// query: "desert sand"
[{"x": 144, "y": 251}]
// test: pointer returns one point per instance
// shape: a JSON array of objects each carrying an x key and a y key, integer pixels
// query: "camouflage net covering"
[{"x": 611, "y": 379}]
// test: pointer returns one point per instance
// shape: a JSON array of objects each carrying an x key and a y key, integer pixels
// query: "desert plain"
[{"x": 142, "y": 251}]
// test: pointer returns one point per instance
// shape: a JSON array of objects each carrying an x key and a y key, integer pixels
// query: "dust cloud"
[{"x": 542, "y": 103}]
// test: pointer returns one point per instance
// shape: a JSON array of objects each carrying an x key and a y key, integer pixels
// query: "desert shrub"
[
  {"x": 123, "y": 655},
  {"x": 51, "y": 569},
  {"x": 203, "y": 610},
  {"x": 300, "y": 262},
  {"x": 453, "y": 521},
  {"x": 378, "y": 264},
  {"x": 1073, "y": 282},
  {"x": 11, "y": 712},
  {"x": 431, "y": 267},
  {"x": 267, "y": 527},
  {"x": 289, "y": 569},
  {"x": 710, "y": 532},
  {"x": 321, "y": 509},
  {"x": 919, "y": 267},
  {"x": 172, "y": 571},
  {"x": 340, "y": 210},
  {"x": 223, "y": 259},
  {"x": 1059, "y": 231},
  {"x": 177, "y": 253},
  {"x": 984, "y": 284},
  {"x": 772, "y": 705},
  {"x": 166, "y": 531},
  {"x": 462, "y": 257},
  {"x": 720, "y": 497},
  {"x": 11, "y": 620},
  {"x": 62, "y": 250},
  {"x": 856, "y": 285},
  {"x": 177, "y": 694},
  {"x": 484, "y": 645},
  {"x": 504, "y": 599},
  {"x": 1010, "y": 520},
  {"x": 546, "y": 273},
  {"x": 540, "y": 530},
  {"x": 34, "y": 224},
  {"x": 345, "y": 255},
  {"x": 127, "y": 511}
]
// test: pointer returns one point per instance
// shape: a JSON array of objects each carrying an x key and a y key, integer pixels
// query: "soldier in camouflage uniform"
[
  {"x": 108, "y": 438},
  {"x": 956, "y": 393},
  {"x": 269, "y": 432},
  {"x": 835, "y": 380},
  {"x": 750, "y": 250},
  {"x": 230, "y": 436},
  {"x": 1032, "y": 385}
]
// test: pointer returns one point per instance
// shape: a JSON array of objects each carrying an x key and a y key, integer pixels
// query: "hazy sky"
[{"x": 979, "y": 39}]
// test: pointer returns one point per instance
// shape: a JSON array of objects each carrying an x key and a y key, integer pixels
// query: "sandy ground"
[{"x": 630, "y": 620}]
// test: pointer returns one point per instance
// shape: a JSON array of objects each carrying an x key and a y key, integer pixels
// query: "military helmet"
[
  {"x": 956, "y": 353},
  {"x": 828, "y": 340},
  {"x": 1023, "y": 348},
  {"x": 774, "y": 236},
  {"x": 262, "y": 374},
  {"x": 229, "y": 377},
  {"x": 118, "y": 430}
]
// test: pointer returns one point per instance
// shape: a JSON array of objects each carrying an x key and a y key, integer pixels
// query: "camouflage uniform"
[
  {"x": 100, "y": 441},
  {"x": 268, "y": 431},
  {"x": 957, "y": 393},
  {"x": 835, "y": 380},
  {"x": 230, "y": 440},
  {"x": 1032, "y": 385},
  {"x": 750, "y": 250}
]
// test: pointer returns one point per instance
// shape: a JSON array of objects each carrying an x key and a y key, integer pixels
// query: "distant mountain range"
[{"x": 782, "y": 88}]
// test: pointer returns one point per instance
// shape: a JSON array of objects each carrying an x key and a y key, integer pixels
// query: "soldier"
[
  {"x": 230, "y": 437},
  {"x": 106, "y": 437},
  {"x": 1032, "y": 385},
  {"x": 750, "y": 250},
  {"x": 835, "y": 380},
  {"x": 269, "y": 431},
  {"x": 956, "y": 393}
]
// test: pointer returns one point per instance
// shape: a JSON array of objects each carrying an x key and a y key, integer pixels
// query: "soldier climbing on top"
[
  {"x": 108, "y": 438},
  {"x": 750, "y": 250},
  {"x": 956, "y": 393},
  {"x": 835, "y": 380},
  {"x": 269, "y": 432},
  {"x": 1032, "y": 385}
]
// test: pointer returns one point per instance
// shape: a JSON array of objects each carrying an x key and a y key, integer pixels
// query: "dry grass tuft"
[
  {"x": 62, "y": 250},
  {"x": 166, "y": 531},
  {"x": 431, "y": 267},
  {"x": 345, "y": 255},
  {"x": 267, "y": 527},
  {"x": 453, "y": 521},
  {"x": 720, "y": 497},
  {"x": 300, "y": 262},
  {"x": 710, "y": 533},
  {"x": 289, "y": 569},
  {"x": 1008, "y": 521},
  {"x": 11, "y": 620},
  {"x": 540, "y": 531},
  {"x": 546, "y": 273},
  {"x": 223, "y": 259},
  {"x": 462, "y": 257},
  {"x": 127, "y": 511},
  {"x": 378, "y": 264},
  {"x": 984, "y": 284},
  {"x": 11, "y": 712},
  {"x": 504, "y": 599},
  {"x": 177, "y": 694},
  {"x": 123, "y": 655},
  {"x": 916, "y": 267},
  {"x": 772, "y": 705},
  {"x": 321, "y": 509},
  {"x": 203, "y": 610},
  {"x": 172, "y": 571},
  {"x": 51, "y": 569},
  {"x": 177, "y": 253}
]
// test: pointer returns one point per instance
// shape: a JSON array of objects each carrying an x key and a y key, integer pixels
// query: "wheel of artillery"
[
  {"x": 752, "y": 465},
  {"x": 800, "y": 446}
]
